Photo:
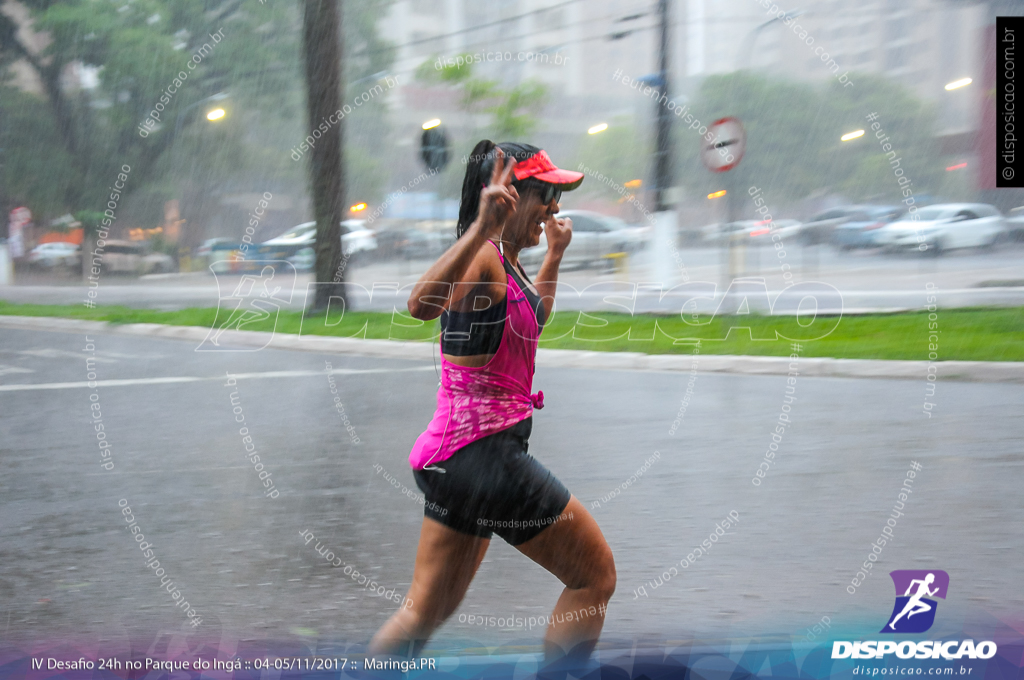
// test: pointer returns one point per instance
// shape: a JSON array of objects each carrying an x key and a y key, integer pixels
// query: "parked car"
[
  {"x": 1015, "y": 225},
  {"x": 821, "y": 228},
  {"x": 594, "y": 237},
  {"x": 719, "y": 232},
  {"x": 862, "y": 226},
  {"x": 945, "y": 227},
  {"x": 57, "y": 254},
  {"x": 428, "y": 244},
  {"x": 355, "y": 238},
  {"x": 134, "y": 257},
  {"x": 357, "y": 242},
  {"x": 763, "y": 234},
  {"x": 756, "y": 232},
  {"x": 206, "y": 249},
  {"x": 304, "y": 260},
  {"x": 403, "y": 241}
]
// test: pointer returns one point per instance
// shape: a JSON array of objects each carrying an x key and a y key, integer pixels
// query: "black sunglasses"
[{"x": 545, "y": 190}]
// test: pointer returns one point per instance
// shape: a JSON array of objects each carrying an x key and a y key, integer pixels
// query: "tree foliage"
[
  {"x": 63, "y": 149},
  {"x": 513, "y": 110}
]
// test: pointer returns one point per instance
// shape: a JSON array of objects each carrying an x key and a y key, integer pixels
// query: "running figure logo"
[
  {"x": 914, "y": 612},
  {"x": 253, "y": 299}
]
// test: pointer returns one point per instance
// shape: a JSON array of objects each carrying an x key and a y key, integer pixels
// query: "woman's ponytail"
[{"x": 472, "y": 184}]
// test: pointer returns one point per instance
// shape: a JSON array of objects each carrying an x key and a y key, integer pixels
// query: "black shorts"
[{"x": 493, "y": 486}]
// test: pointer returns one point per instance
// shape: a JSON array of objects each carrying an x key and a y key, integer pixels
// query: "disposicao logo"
[
  {"x": 916, "y": 586},
  {"x": 914, "y": 612}
]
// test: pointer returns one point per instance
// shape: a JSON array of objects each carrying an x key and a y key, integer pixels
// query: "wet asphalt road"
[{"x": 70, "y": 569}]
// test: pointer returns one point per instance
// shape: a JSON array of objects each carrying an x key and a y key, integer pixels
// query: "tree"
[
  {"x": 63, "y": 150},
  {"x": 514, "y": 110},
  {"x": 138, "y": 51},
  {"x": 321, "y": 39}
]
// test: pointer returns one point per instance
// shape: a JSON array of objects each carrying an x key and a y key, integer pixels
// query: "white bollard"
[
  {"x": 6, "y": 266},
  {"x": 666, "y": 243}
]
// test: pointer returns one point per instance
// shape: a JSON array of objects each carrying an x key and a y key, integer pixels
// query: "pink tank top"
[{"x": 475, "y": 402}]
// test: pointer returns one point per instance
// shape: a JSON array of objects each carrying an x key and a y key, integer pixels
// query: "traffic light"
[{"x": 434, "y": 148}]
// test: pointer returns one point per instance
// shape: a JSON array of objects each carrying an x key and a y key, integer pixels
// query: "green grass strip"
[{"x": 971, "y": 334}]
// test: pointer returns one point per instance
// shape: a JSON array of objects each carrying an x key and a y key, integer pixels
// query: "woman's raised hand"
[
  {"x": 499, "y": 198},
  {"x": 558, "y": 232}
]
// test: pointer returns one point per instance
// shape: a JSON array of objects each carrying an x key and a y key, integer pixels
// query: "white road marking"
[
  {"x": 189, "y": 379},
  {"x": 4, "y": 369},
  {"x": 50, "y": 353}
]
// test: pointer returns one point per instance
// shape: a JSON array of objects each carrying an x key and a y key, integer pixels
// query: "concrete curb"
[{"x": 251, "y": 341}]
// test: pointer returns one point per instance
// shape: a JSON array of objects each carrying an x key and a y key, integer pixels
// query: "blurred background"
[{"x": 79, "y": 80}]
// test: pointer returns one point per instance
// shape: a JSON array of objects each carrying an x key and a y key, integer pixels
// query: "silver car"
[
  {"x": 595, "y": 237},
  {"x": 945, "y": 227},
  {"x": 56, "y": 254},
  {"x": 133, "y": 257},
  {"x": 355, "y": 238}
]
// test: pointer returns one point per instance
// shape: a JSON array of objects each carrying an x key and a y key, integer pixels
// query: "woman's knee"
[
  {"x": 606, "y": 578},
  {"x": 599, "y": 576}
]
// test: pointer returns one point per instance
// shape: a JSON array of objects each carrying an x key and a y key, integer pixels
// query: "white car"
[
  {"x": 787, "y": 230},
  {"x": 1015, "y": 224},
  {"x": 355, "y": 239},
  {"x": 301, "y": 235},
  {"x": 133, "y": 257},
  {"x": 945, "y": 227},
  {"x": 594, "y": 237},
  {"x": 205, "y": 251},
  {"x": 55, "y": 254},
  {"x": 753, "y": 232}
]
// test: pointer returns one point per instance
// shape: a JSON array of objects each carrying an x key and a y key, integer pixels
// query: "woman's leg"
[
  {"x": 446, "y": 561},
  {"x": 575, "y": 551}
]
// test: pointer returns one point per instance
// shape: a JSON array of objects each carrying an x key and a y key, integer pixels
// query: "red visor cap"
[{"x": 540, "y": 167}]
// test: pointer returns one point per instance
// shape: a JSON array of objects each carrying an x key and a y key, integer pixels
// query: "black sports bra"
[{"x": 472, "y": 333}]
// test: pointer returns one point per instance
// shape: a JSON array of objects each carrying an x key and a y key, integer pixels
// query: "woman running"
[{"x": 472, "y": 460}]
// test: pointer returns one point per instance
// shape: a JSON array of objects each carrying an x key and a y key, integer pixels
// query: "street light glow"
[
  {"x": 717, "y": 194},
  {"x": 358, "y": 207},
  {"x": 432, "y": 123},
  {"x": 852, "y": 135},
  {"x": 957, "y": 84},
  {"x": 601, "y": 127},
  {"x": 216, "y": 114},
  {"x": 633, "y": 184}
]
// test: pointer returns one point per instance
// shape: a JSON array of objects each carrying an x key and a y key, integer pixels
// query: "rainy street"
[{"x": 70, "y": 568}]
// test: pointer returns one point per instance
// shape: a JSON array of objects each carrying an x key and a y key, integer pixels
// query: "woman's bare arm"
[
  {"x": 432, "y": 292},
  {"x": 558, "y": 233}
]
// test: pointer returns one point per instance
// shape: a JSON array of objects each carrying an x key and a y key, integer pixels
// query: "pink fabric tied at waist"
[{"x": 537, "y": 399}]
